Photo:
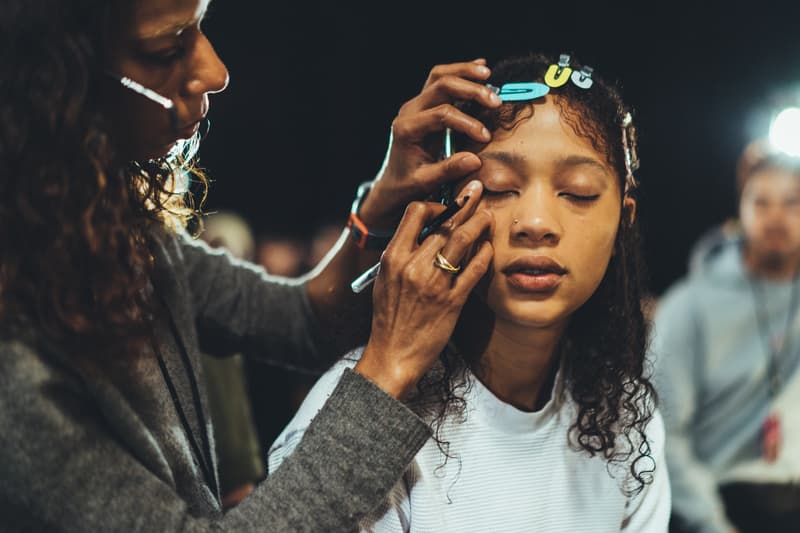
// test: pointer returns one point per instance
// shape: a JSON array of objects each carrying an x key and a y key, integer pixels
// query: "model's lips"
[{"x": 534, "y": 273}]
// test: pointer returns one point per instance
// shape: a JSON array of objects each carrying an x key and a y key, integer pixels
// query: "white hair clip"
[
  {"x": 629, "y": 147},
  {"x": 583, "y": 77}
]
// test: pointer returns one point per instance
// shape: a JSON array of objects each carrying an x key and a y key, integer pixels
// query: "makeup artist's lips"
[
  {"x": 534, "y": 274},
  {"x": 187, "y": 131}
]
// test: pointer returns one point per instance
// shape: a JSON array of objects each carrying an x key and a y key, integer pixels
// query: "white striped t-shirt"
[{"x": 509, "y": 471}]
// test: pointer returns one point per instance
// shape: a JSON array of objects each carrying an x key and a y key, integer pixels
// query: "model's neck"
[
  {"x": 517, "y": 363},
  {"x": 773, "y": 268}
]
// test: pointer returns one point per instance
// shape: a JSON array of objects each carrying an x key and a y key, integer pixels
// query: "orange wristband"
[{"x": 359, "y": 232}]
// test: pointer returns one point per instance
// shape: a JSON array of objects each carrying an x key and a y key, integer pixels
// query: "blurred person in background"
[
  {"x": 277, "y": 391},
  {"x": 726, "y": 341},
  {"x": 283, "y": 255},
  {"x": 321, "y": 243},
  {"x": 229, "y": 230},
  {"x": 322, "y": 240},
  {"x": 237, "y": 443}
]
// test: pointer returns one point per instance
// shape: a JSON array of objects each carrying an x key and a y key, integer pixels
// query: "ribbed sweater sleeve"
[{"x": 63, "y": 468}]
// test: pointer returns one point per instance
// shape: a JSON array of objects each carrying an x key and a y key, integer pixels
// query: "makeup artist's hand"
[
  {"x": 412, "y": 170},
  {"x": 416, "y": 304}
]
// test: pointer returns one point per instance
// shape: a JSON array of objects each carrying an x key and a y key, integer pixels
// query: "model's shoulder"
[{"x": 656, "y": 433}]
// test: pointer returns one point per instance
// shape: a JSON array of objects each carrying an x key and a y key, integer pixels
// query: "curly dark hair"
[
  {"x": 603, "y": 349},
  {"x": 75, "y": 217}
]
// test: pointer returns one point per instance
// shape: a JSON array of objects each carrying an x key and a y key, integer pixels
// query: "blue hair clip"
[
  {"x": 517, "y": 92},
  {"x": 509, "y": 92}
]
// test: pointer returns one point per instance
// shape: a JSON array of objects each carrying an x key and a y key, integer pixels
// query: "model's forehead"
[{"x": 543, "y": 133}]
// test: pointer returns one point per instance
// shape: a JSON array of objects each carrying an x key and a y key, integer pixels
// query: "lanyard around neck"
[{"x": 776, "y": 346}]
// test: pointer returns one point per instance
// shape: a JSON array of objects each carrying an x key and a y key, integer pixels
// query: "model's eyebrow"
[
  {"x": 577, "y": 160},
  {"x": 516, "y": 162}
]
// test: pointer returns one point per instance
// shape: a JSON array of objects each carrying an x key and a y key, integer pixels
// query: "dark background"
[{"x": 315, "y": 86}]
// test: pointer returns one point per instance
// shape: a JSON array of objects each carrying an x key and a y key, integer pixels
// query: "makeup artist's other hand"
[
  {"x": 416, "y": 304},
  {"x": 411, "y": 170}
]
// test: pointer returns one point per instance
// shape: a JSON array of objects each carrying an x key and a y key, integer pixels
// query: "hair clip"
[
  {"x": 517, "y": 92},
  {"x": 583, "y": 78},
  {"x": 558, "y": 75},
  {"x": 629, "y": 147}
]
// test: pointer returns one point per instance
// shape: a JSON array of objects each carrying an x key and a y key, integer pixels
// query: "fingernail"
[
  {"x": 465, "y": 163},
  {"x": 494, "y": 98},
  {"x": 468, "y": 190},
  {"x": 483, "y": 71},
  {"x": 485, "y": 134}
]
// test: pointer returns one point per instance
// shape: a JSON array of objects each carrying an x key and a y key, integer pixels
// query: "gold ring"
[{"x": 442, "y": 262}]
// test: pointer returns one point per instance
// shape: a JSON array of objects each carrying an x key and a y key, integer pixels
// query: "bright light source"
[{"x": 784, "y": 133}]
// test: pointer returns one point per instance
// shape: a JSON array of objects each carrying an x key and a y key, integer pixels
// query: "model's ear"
[{"x": 629, "y": 208}]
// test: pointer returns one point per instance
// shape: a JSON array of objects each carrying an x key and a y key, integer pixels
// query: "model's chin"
[{"x": 530, "y": 313}]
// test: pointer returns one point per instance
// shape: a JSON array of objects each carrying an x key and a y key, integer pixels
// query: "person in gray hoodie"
[
  {"x": 726, "y": 341},
  {"x": 106, "y": 303}
]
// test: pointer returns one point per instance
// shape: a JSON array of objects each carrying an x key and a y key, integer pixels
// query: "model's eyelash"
[
  {"x": 581, "y": 198},
  {"x": 493, "y": 193}
]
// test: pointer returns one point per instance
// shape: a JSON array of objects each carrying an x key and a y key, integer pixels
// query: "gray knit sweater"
[{"x": 101, "y": 447}]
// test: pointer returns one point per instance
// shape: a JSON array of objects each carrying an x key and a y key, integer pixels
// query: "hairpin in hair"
[
  {"x": 583, "y": 77},
  {"x": 557, "y": 75},
  {"x": 629, "y": 147},
  {"x": 516, "y": 92}
]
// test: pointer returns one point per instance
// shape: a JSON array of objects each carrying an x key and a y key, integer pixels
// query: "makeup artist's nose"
[
  {"x": 208, "y": 73},
  {"x": 535, "y": 218}
]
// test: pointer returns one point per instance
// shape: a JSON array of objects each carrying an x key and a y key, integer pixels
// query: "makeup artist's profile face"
[
  {"x": 163, "y": 48},
  {"x": 557, "y": 204}
]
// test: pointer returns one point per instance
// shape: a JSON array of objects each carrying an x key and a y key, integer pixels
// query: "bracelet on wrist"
[{"x": 362, "y": 235}]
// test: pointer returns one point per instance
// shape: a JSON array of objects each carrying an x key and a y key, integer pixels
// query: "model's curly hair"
[
  {"x": 603, "y": 349},
  {"x": 75, "y": 218}
]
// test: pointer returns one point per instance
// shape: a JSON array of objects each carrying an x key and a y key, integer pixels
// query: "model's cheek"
[{"x": 592, "y": 255}]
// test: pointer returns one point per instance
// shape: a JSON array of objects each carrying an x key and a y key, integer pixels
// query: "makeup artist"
[{"x": 106, "y": 303}]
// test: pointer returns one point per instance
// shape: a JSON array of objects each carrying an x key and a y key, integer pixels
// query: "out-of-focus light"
[{"x": 784, "y": 133}]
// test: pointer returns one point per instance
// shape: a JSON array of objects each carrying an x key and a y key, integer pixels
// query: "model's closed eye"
[
  {"x": 496, "y": 194},
  {"x": 580, "y": 198}
]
